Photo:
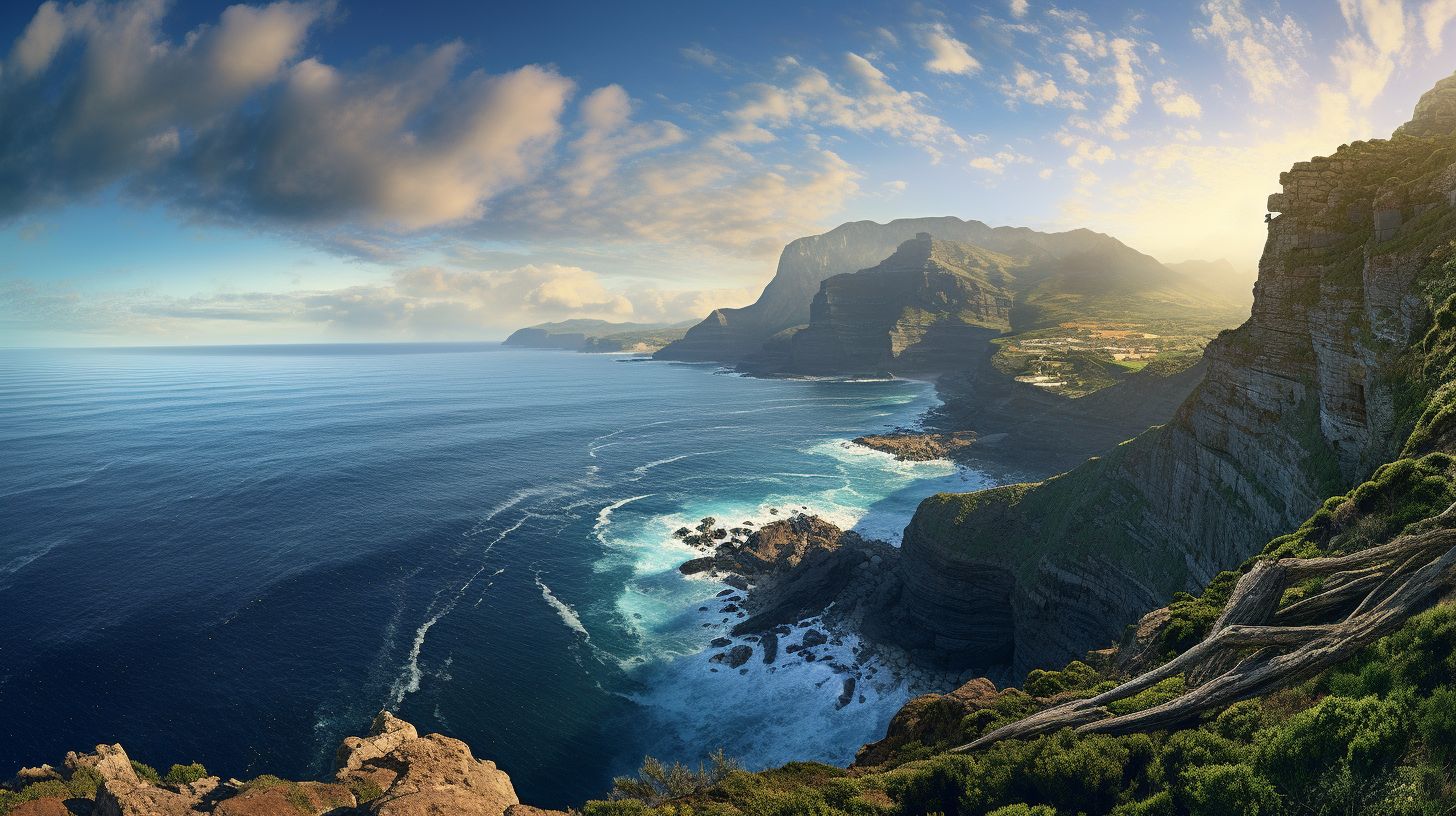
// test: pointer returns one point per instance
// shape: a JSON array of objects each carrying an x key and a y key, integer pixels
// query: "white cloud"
[
  {"x": 1366, "y": 59},
  {"x": 1435, "y": 16},
  {"x": 610, "y": 137},
  {"x": 1036, "y": 88},
  {"x": 1265, "y": 51},
  {"x": 1125, "y": 78},
  {"x": 1019, "y": 8},
  {"x": 700, "y": 55},
  {"x": 870, "y": 105},
  {"x": 1174, "y": 101},
  {"x": 948, "y": 55},
  {"x": 998, "y": 162}
]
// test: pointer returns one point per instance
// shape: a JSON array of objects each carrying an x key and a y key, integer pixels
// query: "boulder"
[
  {"x": 440, "y": 776},
  {"x": 358, "y": 757},
  {"x": 49, "y": 806},
  {"x": 696, "y": 565},
  {"x": 739, "y": 655},
  {"x": 122, "y": 793}
]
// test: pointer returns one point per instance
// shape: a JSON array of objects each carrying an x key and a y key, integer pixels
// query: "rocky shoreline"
[{"x": 800, "y": 589}]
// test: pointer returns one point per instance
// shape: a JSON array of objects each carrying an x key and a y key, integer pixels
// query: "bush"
[
  {"x": 83, "y": 782},
  {"x": 147, "y": 773},
  {"x": 1024, "y": 810},
  {"x": 656, "y": 783},
  {"x": 1335, "y": 753},
  {"x": 1230, "y": 790},
  {"x": 185, "y": 774}
]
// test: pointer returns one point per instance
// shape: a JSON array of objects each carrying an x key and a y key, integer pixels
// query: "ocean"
[{"x": 237, "y": 555}]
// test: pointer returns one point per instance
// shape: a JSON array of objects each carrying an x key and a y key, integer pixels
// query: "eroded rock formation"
[{"x": 1301, "y": 401}]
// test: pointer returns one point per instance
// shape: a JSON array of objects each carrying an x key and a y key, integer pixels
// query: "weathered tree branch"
[{"x": 1385, "y": 585}]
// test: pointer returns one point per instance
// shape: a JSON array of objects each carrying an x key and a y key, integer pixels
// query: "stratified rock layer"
[{"x": 1296, "y": 404}]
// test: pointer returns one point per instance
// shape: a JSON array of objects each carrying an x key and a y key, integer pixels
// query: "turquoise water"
[{"x": 238, "y": 555}]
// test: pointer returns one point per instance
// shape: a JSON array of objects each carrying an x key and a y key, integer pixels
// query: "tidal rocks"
[
  {"x": 739, "y": 655},
  {"x": 919, "y": 447},
  {"x": 697, "y": 565}
]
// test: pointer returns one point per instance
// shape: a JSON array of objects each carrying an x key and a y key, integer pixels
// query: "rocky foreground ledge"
[{"x": 392, "y": 771}]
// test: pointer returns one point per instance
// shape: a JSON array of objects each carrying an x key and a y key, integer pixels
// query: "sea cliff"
[{"x": 1300, "y": 402}]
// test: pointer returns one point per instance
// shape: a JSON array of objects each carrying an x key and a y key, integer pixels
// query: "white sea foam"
[{"x": 563, "y": 610}]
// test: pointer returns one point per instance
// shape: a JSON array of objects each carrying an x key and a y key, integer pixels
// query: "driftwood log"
[{"x": 1255, "y": 647}]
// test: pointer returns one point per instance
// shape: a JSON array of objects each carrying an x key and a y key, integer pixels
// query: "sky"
[{"x": 341, "y": 170}]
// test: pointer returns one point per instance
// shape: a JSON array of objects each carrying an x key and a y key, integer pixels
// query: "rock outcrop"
[
  {"x": 924, "y": 308},
  {"x": 1301, "y": 401},
  {"x": 919, "y": 447},
  {"x": 391, "y": 771},
  {"x": 421, "y": 776}
]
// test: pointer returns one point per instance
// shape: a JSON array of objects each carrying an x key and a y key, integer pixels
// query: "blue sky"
[{"x": 198, "y": 172}]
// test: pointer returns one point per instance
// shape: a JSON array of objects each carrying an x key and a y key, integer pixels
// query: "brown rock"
[
  {"x": 440, "y": 777},
  {"x": 286, "y": 798},
  {"x": 527, "y": 810},
  {"x": 356, "y": 757},
  {"x": 49, "y": 806},
  {"x": 122, "y": 793},
  {"x": 918, "y": 447}
]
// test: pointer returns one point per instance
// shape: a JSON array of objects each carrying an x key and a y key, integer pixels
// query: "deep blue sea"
[{"x": 238, "y": 555}]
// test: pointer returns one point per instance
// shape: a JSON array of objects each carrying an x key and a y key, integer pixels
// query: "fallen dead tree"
[{"x": 1255, "y": 647}]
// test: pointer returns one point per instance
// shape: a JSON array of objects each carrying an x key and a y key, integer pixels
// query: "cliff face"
[
  {"x": 1302, "y": 400},
  {"x": 730, "y": 335},
  {"x": 925, "y": 307}
]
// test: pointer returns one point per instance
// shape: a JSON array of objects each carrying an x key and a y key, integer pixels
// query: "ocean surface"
[{"x": 238, "y": 555}]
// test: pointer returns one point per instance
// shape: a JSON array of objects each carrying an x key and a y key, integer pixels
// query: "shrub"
[
  {"x": 656, "y": 783},
  {"x": 1024, "y": 810},
  {"x": 1230, "y": 790},
  {"x": 147, "y": 773},
  {"x": 83, "y": 782},
  {"x": 185, "y": 774},
  {"x": 365, "y": 790}
]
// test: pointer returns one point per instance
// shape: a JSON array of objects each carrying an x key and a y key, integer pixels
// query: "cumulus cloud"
[
  {"x": 1264, "y": 50},
  {"x": 868, "y": 104},
  {"x": 1435, "y": 16},
  {"x": 233, "y": 121},
  {"x": 1019, "y": 8},
  {"x": 948, "y": 55},
  {"x": 1034, "y": 87},
  {"x": 610, "y": 137},
  {"x": 1174, "y": 101}
]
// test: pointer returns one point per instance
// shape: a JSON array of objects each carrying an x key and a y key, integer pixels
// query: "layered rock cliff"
[
  {"x": 1302, "y": 400},
  {"x": 731, "y": 335},
  {"x": 924, "y": 308}
]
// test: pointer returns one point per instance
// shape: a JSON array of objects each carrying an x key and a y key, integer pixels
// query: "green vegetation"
[
  {"x": 146, "y": 772},
  {"x": 185, "y": 774},
  {"x": 1376, "y": 735}
]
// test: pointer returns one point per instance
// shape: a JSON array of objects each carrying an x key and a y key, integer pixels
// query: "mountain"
[
  {"x": 597, "y": 335},
  {"x": 937, "y": 305},
  {"x": 730, "y": 335},
  {"x": 1220, "y": 277},
  {"x": 1304, "y": 400}
]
